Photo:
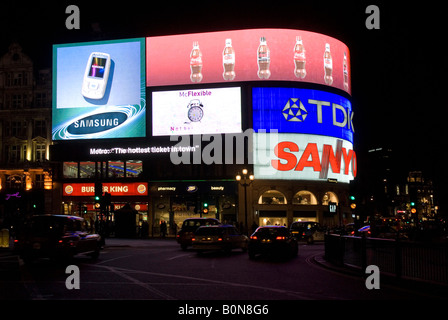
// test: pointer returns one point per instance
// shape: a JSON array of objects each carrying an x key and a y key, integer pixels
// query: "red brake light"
[
  {"x": 15, "y": 240},
  {"x": 254, "y": 237},
  {"x": 193, "y": 239},
  {"x": 60, "y": 241},
  {"x": 219, "y": 239},
  {"x": 280, "y": 238}
]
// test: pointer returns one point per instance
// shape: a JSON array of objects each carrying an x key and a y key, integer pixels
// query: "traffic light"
[
  {"x": 352, "y": 202},
  {"x": 413, "y": 208},
  {"x": 98, "y": 194},
  {"x": 205, "y": 207}
]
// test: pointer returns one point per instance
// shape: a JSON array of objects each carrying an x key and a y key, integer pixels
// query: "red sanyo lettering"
[{"x": 310, "y": 158}]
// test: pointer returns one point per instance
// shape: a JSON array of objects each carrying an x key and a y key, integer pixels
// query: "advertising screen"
[
  {"x": 293, "y": 156},
  {"x": 99, "y": 90},
  {"x": 248, "y": 55},
  {"x": 291, "y": 110},
  {"x": 202, "y": 111}
]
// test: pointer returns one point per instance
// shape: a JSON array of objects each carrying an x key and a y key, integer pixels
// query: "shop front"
[
  {"x": 127, "y": 199},
  {"x": 173, "y": 202}
]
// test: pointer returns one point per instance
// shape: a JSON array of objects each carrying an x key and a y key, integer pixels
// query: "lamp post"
[{"x": 245, "y": 180}]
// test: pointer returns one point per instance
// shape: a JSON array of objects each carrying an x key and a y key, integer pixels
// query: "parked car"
[
  {"x": 189, "y": 226},
  {"x": 274, "y": 240},
  {"x": 308, "y": 231},
  {"x": 219, "y": 237},
  {"x": 56, "y": 236}
]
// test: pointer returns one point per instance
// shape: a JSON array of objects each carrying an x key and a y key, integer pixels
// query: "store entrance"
[
  {"x": 171, "y": 211},
  {"x": 273, "y": 218}
]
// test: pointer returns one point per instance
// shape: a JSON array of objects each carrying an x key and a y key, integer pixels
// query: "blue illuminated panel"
[{"x": 292, "y": 110}]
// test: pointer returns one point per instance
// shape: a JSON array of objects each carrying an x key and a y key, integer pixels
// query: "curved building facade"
[{"x": 183, "y": 115}]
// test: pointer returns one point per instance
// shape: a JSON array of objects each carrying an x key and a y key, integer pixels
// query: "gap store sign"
[{"x": 292, "y": 110}]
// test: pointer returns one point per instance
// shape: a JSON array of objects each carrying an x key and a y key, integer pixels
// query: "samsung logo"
[{"x": 97, "y": 123}]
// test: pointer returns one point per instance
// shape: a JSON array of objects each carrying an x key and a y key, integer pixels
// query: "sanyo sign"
[{"x": 304, "y": 157}]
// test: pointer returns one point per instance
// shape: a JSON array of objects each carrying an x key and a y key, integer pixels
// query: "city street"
[{"x": 158, "y": 269}]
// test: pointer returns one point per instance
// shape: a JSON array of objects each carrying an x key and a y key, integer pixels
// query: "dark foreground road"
[{"x": 160, "y": 270}]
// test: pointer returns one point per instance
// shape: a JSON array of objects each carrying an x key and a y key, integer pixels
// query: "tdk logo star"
[
  {"x": 294, "y": 112},
  {"x": 307, "y": 111}
]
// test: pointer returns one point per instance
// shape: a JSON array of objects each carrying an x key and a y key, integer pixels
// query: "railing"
[{"x": 402, "y": 259}]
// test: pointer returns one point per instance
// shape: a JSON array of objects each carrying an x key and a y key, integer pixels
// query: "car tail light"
[
  {"x": 60, "y": 241},
  {"x": 219, "y": 239},
  {"x": 253, "y": 237},
  {"x": 280, "y": 238},
  {"x": 193, "y": 239},
  {"x": 16, "y": 241}
]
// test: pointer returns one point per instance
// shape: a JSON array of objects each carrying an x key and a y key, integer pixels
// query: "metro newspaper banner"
[
  {"x": 292, "y": 110},
  {"x": 248, "y": 55},
  {"x": 293, "y": 156},
  {"x": 114, "y": 188}
]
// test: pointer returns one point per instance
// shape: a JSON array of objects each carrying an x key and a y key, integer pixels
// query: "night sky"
[{"x": 399, "y": 72}]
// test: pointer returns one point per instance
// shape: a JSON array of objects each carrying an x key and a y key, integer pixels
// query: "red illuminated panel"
[
  {"x": 174, "y": 60},
  {"x": 114, "y": 188}
]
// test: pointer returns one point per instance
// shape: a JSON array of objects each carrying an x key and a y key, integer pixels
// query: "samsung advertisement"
[
  {"x": 201, "y": 111},
  {"x": 99, "y": 90},
  {"x": 292, "y": 110}
]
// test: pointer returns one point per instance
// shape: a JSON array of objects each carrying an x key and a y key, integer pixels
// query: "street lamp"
[{"x": 245, "y": 181}]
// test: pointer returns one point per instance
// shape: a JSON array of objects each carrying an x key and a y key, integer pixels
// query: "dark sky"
[{"x": 399, "y": 72}]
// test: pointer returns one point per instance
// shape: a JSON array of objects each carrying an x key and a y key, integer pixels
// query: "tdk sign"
[{"x": 292, "y": 110}]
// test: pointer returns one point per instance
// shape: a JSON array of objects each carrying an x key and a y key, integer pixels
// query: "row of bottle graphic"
[{"x": 264, "y": 60}]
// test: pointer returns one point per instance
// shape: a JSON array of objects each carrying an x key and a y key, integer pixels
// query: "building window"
[
  {"x": 70, "y": 169},
  {"x": 134, "y": 168},
  {"x": 17, "y": 101},
  {"x": 40, "y": 152},
  {"x": 41, "y": 99},
  {"x": 272, "y": 197},
  {"x": 14, "y": 153},
  {"x": 87, "y": 169},
  {"x": 304, "y": 197},
  {"x": 329, "y": 197},
  {"x": 40, "y": 128},
  {"x": 40, "y": 181},
  {"x": 18, "y": 129},
  {"x": 15, "y": 182},
  {"x": 116, "y": 169}
]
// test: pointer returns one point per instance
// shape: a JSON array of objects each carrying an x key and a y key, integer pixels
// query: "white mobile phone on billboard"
[{"x": 96, "y": 75}]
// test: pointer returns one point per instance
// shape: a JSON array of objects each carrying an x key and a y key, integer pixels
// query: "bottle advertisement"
[
  {"x": 99, "y": 90},
  {"x": 248, "y": 55}
]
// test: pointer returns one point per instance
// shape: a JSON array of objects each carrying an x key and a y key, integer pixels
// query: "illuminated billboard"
[
  {"x": 114, "y": 188},
  {"x": 199, "y": 111},
  {"x": 248, "y": 55},
  {"x": 292, "y": 110},
  {"x": 99, "y": 90},
  {"x": 293, "y": 156}
]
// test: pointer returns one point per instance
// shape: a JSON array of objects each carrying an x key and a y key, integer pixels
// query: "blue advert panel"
[
  {"x": 99, "y": 90},
  {"x": 292, "y": 110}
]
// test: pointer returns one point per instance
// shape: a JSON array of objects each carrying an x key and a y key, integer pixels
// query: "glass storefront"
[
  {"x": 272, "y": 218},
  {"x": 175, "y": 202}
]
